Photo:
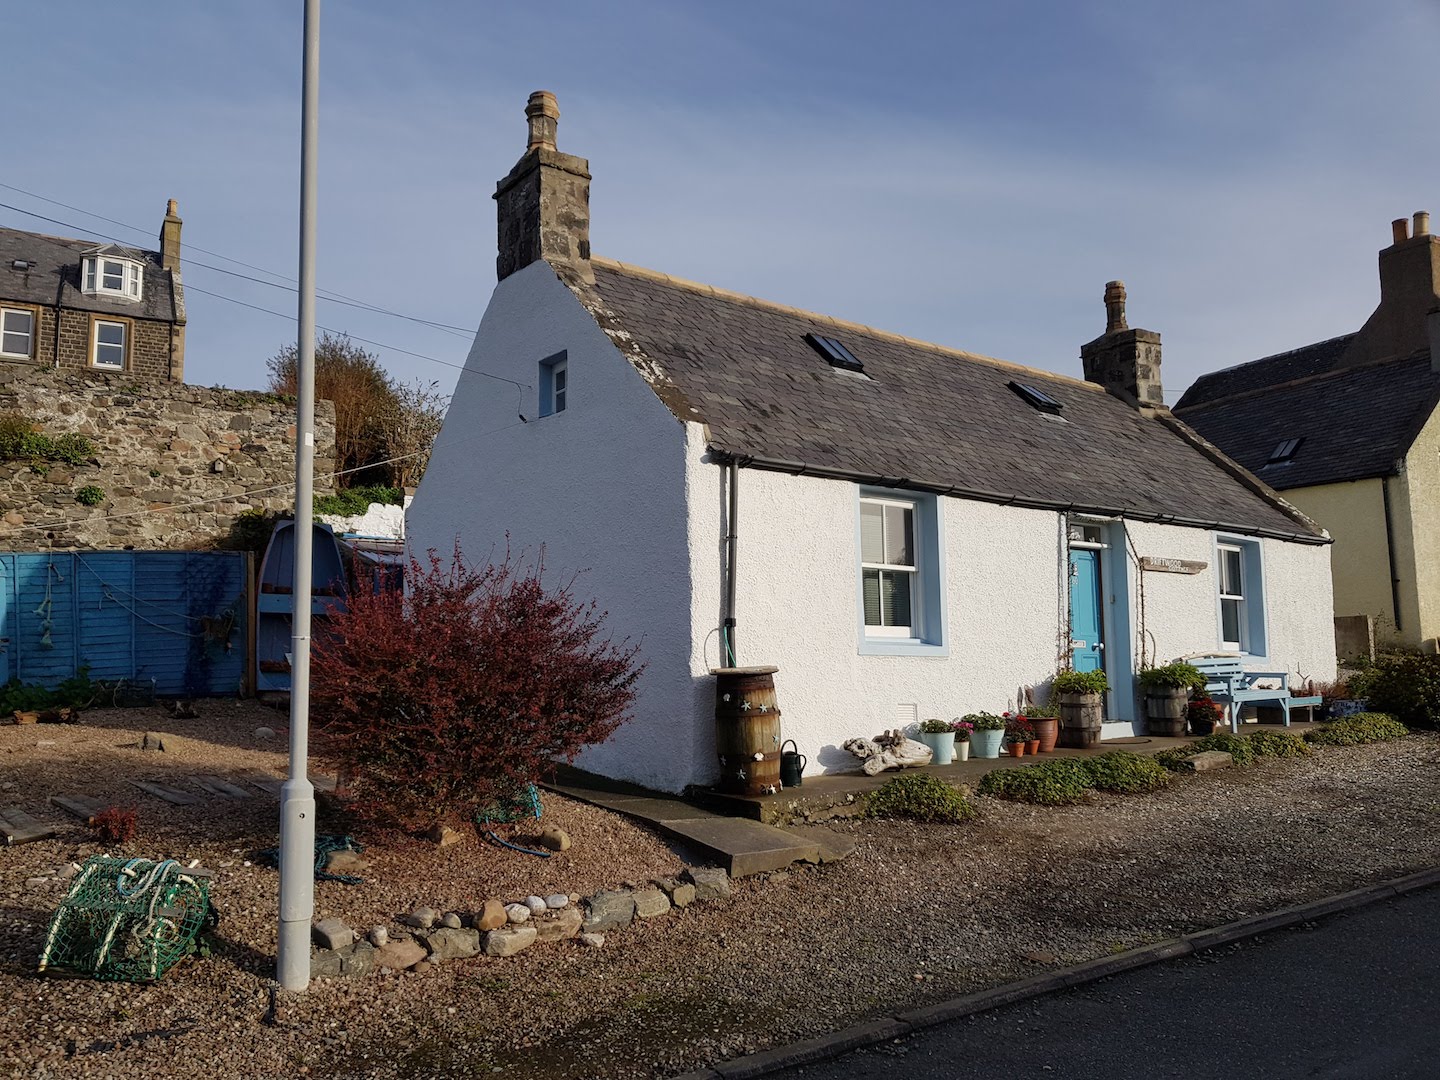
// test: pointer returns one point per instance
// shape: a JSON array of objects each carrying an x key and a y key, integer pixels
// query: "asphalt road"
[{"x": 1353, "y": 996}]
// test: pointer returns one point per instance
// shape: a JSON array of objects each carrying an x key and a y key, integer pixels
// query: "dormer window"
[{"x": 105, "y": 275}]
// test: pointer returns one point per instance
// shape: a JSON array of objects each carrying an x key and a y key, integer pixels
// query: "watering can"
[{"x": 792, "y": 764}]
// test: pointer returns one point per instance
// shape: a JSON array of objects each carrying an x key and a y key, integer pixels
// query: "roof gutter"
[{"x": 1027, "y": 502}]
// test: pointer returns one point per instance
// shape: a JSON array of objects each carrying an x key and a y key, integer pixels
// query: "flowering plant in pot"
[
  {"x": 940, "y": 737},
  {"x": 1018, "y": 735},
  {"x": 986, "y": 733},
  {"x": 963, "y": 730},
  {"x": 1203, "y": 714},
  {"x": 1045, "y": 720}
]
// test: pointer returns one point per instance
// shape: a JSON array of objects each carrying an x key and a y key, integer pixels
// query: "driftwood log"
[{"x": 889, "y": 750}]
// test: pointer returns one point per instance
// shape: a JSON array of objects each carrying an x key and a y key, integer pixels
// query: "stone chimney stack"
[
  {"x": 1126, "y": 362},
  {"x": 544, "y": 204},
  {"x": 1409, "y": 291},
  {"x": 170, "y": 238}
]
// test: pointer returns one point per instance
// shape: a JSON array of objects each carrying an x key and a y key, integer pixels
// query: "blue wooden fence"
[{"x": 171, "y": 621}]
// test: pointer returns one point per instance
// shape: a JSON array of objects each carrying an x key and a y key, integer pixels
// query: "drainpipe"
[
  {"x": 1390, "y": 551},
  {"x": 727, "y": 635}
]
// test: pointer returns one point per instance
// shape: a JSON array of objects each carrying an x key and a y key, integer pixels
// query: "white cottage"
[{"x": 905, "y": 530}]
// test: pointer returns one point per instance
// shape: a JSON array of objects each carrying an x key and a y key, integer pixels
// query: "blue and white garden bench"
[{"x": 1227, "y": 681}]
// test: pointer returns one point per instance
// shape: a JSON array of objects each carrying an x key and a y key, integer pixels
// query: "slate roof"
[
  {"x": 1268, "y": 371},
  {"x": 927, "y": 418},
  {"x": 1355, "y": 422},
  {"x": 54, "y": 276}
]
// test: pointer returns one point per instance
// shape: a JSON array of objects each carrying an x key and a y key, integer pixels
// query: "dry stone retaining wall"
[{"x": 158, "y": 447}]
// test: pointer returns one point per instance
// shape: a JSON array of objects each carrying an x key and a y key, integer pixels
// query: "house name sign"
[{"x": 1171, "y": 566}]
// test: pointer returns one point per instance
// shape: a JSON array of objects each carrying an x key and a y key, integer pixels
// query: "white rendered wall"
[
  {"x": 1006, "y": 597},
  {"x": 379, "y": 519},
  {"x": 1182, "y": 614},
  {"x": 600, "y": 485}
]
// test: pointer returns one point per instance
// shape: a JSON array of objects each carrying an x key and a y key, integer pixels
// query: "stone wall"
[{"x": 159, "y": 447}]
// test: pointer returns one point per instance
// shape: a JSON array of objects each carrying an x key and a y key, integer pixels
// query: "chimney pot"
[
  {"x": 543, "y": 112},
  {"x": 1115, "y": 307},
  {"x": 1422, "y": 223},
  {"x": 1400, "y": 230}
]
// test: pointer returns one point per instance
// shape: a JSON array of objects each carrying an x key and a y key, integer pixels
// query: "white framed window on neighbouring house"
[
  {"x": 554, "y": 384},
  {"x": 107, "y": 276},
  {"x": 107, "y": 346},
  {"x": 17, "y": 333},
  {"x": 901, "y": 573},
  {"x": 1240, "y": 588}
]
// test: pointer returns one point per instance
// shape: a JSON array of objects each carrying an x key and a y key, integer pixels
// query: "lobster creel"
[{"x": 747, "y": 730}]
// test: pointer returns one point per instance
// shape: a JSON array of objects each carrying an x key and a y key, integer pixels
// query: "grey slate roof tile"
[
  {"x": 1356, "y": 422},
  {"x": 934, "y": 417}
]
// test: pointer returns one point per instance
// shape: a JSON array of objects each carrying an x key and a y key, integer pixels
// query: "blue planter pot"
[
  {"x": 941, "y": 743},
  {"x": 986, "y": 744}
]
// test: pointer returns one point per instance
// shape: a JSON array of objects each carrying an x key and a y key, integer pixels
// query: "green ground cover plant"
[
  {"x": 1366, "y": 727},
  {"x": 919, "y": 796}
]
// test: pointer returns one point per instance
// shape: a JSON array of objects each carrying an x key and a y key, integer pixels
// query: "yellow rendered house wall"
[
  {"x": 1419, "y": 484},
  {"x": 1354, "y": 514}
]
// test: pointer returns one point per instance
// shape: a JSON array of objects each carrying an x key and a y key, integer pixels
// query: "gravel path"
[{"x": 914, "y": 915}]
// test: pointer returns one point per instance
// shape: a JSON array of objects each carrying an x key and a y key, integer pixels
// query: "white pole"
[{"x": 297, "y": 799}]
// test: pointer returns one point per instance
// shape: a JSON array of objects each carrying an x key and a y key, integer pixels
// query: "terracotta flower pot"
[
  {"x": 1047, "y": 729},
  {"x": 1017, "y": 749},
  {"x": 1032, "y": 747}
]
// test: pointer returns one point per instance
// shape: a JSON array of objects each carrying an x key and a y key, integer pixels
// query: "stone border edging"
[{"x": 881, "y": 1029}]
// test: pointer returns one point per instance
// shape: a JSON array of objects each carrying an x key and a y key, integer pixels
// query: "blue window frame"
[
  {"x": 900, "y": 573},
  {"x": 1240, "y": 595},
  {"x": 554, "y": 384}
]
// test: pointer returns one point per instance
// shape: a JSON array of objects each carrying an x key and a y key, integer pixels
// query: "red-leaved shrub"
[
  {"x": 469, "y": 684},
  {"x": 115, "y": 825}
]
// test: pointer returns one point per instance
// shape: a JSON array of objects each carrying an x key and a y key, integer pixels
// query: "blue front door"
[{"x": 1087, "y": 639}]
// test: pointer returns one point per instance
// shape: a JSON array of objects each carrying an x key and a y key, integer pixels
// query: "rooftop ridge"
[
  {"x": 830, "y": 320},
  {"x": 1304, "y": 380},
  {"x": 1273, "y": 356}
]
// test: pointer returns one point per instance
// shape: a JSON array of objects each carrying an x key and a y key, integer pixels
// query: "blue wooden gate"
[{"x": 174, "y": 622}]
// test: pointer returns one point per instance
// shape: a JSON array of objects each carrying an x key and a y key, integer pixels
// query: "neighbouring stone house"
[
  {"x": 904, "y": 529},
  {"x": 1348, "y": 429},
  {"x": 78, "y": 304}
]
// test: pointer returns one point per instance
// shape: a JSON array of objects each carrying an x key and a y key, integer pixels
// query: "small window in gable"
[
  {"x": 554, "y": 384},
  {"x": 835, "y": 353},
  {"x": 105, "y": 275}
]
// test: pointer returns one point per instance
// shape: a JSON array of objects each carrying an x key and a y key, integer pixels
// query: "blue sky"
[{"x": 968, "y": 173}]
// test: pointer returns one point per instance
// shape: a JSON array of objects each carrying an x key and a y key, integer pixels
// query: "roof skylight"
[
  {"x": 835, "y": 352},
  {"x": 1285, "y": 451},
  {"x": 1037, "y": 397}
]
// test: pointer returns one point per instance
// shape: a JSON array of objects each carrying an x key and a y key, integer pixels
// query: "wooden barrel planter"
[
  {"x": 747, "y": 730},
  {"x": 1165, "y": 710},
  {"x": 1080, "y": 718}
]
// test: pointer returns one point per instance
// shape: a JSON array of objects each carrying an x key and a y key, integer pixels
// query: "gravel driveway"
[{"x": 914, "y": 915}]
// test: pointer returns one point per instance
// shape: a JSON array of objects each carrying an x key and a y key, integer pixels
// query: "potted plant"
[
  {"x": 1203, "y": 714},
  {"x": 963, "y": 730},
  {"x": 940, "y": 737},
  {"x": 1018, "y": 735},
  {"x": 1045, "y": 720},
  {"x": 987, "y": 731},
  {"x": 1166, "y": 691},
  {"x": 1082, "y": 706}
]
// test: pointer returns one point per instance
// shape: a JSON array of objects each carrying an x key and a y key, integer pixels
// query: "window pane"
[
  {"x": 1231, "y": 578},
  {"x": 113, "y": 275},
  {"x": 895, "y": 598},
  {"x": 870, "y": 586},
  {"x": 1230, "y": 622},
  {"x": 559, "y": 400},
  {"x": 872, "y": 533},
  {"x": 559, "y": 380},
  {"x": 899, "y": 536},
  {"x": 109, "y": 333},
  {"x": 18, "y": 322},
  {"x": 15, "y": 344},
  {"x": 89, "y": 275}
]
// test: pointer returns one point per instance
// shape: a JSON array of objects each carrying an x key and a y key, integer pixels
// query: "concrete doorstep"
[{"x": 883, "y": 1029}]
